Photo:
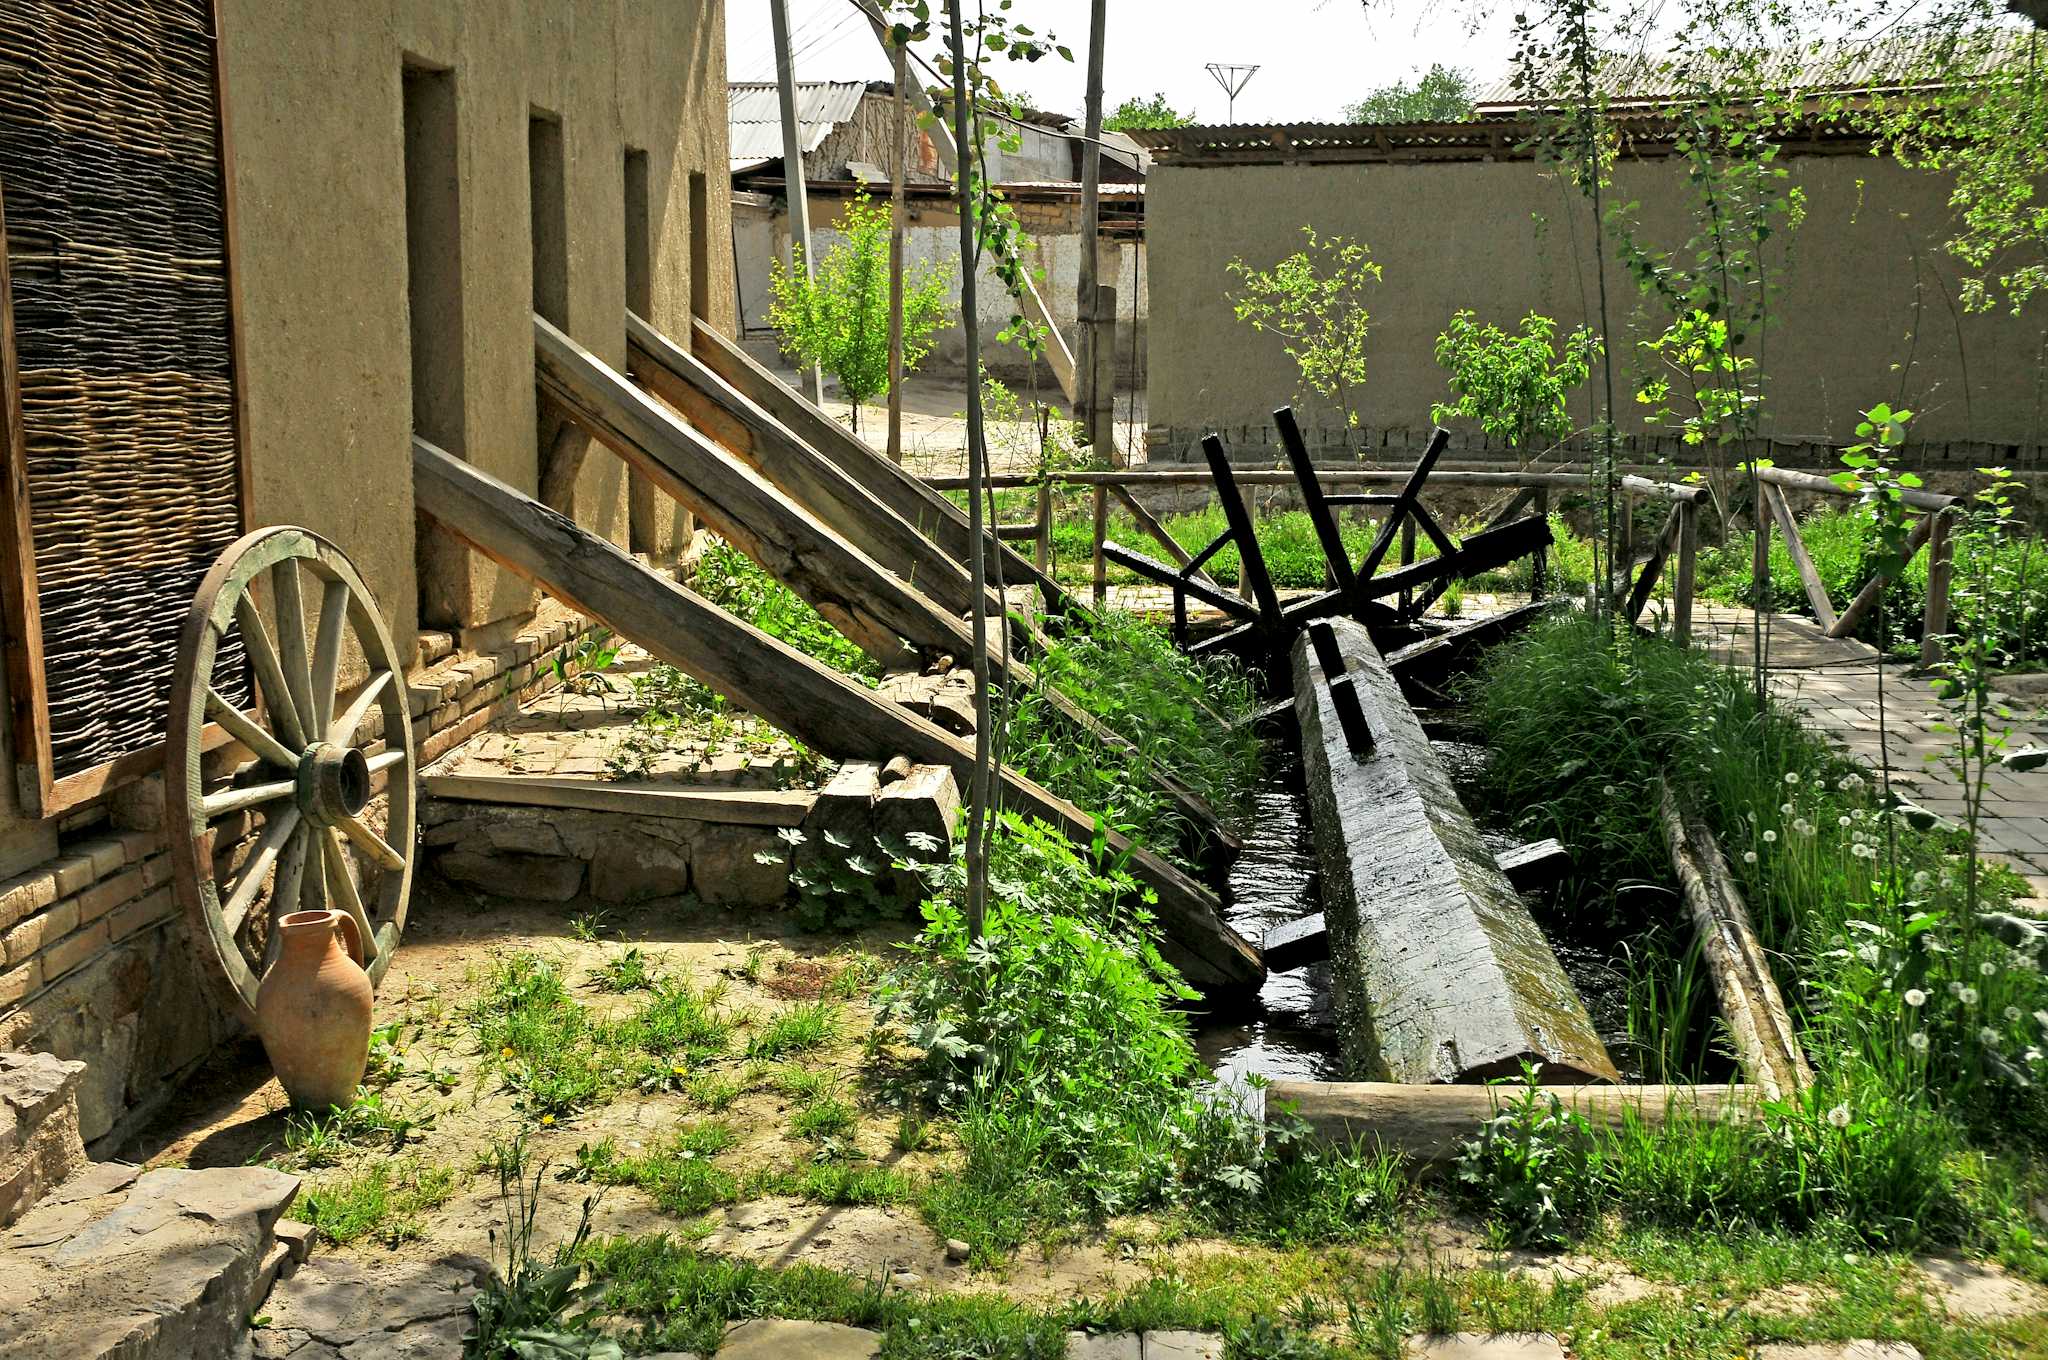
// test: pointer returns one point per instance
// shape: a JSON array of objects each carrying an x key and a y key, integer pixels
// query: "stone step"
[
  {"x": 39, "y": 1140},
  {"x": 137, "y": 1265},
  {"x": 336, "y": 1309}
]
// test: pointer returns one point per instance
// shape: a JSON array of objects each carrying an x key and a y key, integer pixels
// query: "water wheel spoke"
[
  {"x": 343, "y": 729},
  {"x": 327, "y": 652},
  {"x": 252, "y": 795},
  {"x": 268, "y": 846},
  {"x": 342, "y": 890},
  {"x": 370, "y": 843},
  {"x": 291, "y": 639},
  {"x": 245, "y": 729},
  {"x": 277, "y": 697}
]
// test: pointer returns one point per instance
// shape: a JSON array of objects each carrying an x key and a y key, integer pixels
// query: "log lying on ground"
[
  {"x": 1440, "y": 973},
  {"x": 931, "y": 513},
  {"x": 806, "y": 476},
  {"x": 1765, "y": 1043},
  {"x": 1432, "y": 1124},
  {"x": 811, "y": 702}
]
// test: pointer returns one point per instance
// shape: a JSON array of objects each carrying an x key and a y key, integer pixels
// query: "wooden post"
[
  {"x": 898, "y": 167},
  {"x": 793, "y": 165},
  {"x": 1940, "y": 569},
  {"x": 1688, "y": 558},
  {"x": 1088, "y": 310},
  {"x": 1102, "y": 400},
  {"x": 1335, "y": 559},
  {"x": 1407, "y": 551},
  {"x": 1537, "y": 570},
  {"x": 1760, "y": 559},
  {"x": 1101, "y": 532},
  {"x": 1044, "y": 553}
]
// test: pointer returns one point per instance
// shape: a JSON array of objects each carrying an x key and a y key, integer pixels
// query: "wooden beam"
[
  {"x": 813, "y": 703},
  {"x": 1758, "y": 1024},
  {"x": 1430, "y": 1125},
  {"x": 1149, "y": 522},
  {"x": 1802, "y": 561},
  {"x": 1441, "y": 975},
  {"x": 1427, "y": 665},
  {"x": 1866, "y": 599},
  {"x": 744, "y": 807},
  {"x": 793, "y": 467},
  {"x": 908, "y": 495}
]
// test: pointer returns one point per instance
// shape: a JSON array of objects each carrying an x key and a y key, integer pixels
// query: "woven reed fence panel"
[{"x": 117, "y": 256}]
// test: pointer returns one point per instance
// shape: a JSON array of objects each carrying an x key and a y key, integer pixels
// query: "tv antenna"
[{"x": 1232, "y": 79}]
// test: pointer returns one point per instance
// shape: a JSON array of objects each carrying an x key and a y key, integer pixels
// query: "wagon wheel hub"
[{"x": 333, "y": 783}]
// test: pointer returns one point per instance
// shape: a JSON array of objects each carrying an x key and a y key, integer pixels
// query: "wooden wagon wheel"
[{"x": 307, "y": 795}]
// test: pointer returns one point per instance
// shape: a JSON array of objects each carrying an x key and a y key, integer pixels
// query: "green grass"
[
  {"x": 795, "y": 1029},
  {"x": 384, "y": 1200},
  {"x": 822, "y": 1117}
]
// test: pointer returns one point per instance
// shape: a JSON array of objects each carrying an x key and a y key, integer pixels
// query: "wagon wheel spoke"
[
  {"x": 252, "y": 795},
  {"x": 290, "y": 603},
  {"x": 370, "y": 843},
  {"x": 342, "y": 889},
  {"x": 270, "y": 680},
  {"x": 384, "y": 760},
  {"x": 343, "y": 729},
  {"x": 327, "y": 652},
  {"x": 284, "y": 895},
  {"x": 245, "y": 729},
  {"x": 269, "y": 845}
]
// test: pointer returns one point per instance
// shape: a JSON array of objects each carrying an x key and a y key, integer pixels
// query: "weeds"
[
  {"x": 383, "y": 1200},
  {"x": 798, "y": 1029}
]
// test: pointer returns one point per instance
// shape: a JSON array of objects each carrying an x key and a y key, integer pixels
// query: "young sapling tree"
[
  {"x": 1314, "y": 300},
  {"x": 1515, "y": 385}
]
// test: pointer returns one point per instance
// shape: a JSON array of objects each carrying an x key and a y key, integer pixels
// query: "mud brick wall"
[{"x": 96, "y": 956}]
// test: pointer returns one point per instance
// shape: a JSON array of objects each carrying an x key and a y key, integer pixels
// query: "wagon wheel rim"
[{"x": 302, "y": 786}]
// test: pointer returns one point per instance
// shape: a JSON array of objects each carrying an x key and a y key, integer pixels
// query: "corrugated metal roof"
[
  {"x": 1903, "y": 60},
  {"x": 754, "y": 116}
]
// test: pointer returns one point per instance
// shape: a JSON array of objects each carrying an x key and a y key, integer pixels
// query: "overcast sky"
[{"x": 1314, "y": 56}]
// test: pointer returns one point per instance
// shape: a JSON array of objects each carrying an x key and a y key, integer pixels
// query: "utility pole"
[
  {"x": 793, "y": 167},
  {"x": 1099, "y": 429},
  {"x": 898, "y": 170}
]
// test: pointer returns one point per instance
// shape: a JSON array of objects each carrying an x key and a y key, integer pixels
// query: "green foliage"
[
  {"x": 1442, "y": 95},
  {"x": 1516, "y": 386},
  {"x": 837, "y": 318},
  {"x": 533, "y": 1309},
  {"x": 1698, "y": 385},
  {"x": 796, "y": 1029},
  {"x": 383, "y": 1200},
  {"x": 736, "y": 583},
  {"x": 1532, "y": 1166},
  {"x": 1314, "y": 301},
  {"x": 679, "y": 1174},
  {"x": 1141, "y": 112}
]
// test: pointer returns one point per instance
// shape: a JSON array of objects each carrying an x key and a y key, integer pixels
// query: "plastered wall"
[
  {"x": 1867, "y": 313},
  {"x": 315, "y": 106}
]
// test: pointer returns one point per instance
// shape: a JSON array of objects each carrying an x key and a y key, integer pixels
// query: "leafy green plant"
[
  {"x": 1142, "y": 112},
  {"x": 1442, "y": 94},
  {"x": 530, "y": 1308},
  {"x": 837, "y": 316},
  {"x": 1516, "y": 386},
  {"x": 1533, "y": 1166},
  {"x": 384, "y": 1200},
  {"x": 797, "y": 1029},
  {"x": 738, "y": 585},
  {"x": 1314, "y": 301}
]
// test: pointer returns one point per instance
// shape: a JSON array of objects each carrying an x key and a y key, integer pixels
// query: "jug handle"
[{"x": 354, "y": 941}]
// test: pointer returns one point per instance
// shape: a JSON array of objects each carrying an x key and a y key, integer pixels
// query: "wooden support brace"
[
  {"x": 1802, "y": 561},
  {"x": 1866, "y": 599},
  {"x": 787, "y": 689}
]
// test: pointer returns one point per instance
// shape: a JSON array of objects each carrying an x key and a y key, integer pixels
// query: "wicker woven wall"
[{"x": 116, "y": 252}]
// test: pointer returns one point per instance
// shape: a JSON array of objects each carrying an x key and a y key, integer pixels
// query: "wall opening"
[
  {"x": 642, "y": 503},
  {"x": 700, "y": 246},
  {"x": 548, "y": 195},
  {"x": 433, "y": 261}
]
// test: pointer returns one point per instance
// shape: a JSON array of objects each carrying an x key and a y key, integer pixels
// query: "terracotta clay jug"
[{"x": 313, "y": 1009}]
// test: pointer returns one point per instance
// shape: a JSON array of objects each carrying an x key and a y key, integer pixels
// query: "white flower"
[
  {"x": 1869, "y": 954},
  {"x": 1839, "y": 1116},
  {"x": 1770, "y": 838},
  {"x": 1988, "y": 968},
  {"x": 1917, "y": 1041},
  {"x": 1915, "y": 997},
  {"x": 2012, "y": 1014},
  {"x": 1791, "y": 776},
  {"x": 1749, "y": 857},
  {"x": 1803, "y": 827},
  {"x": 1841, "y": 821},
  {"x": 1785, "y": 808},
  {"x": 1955, "y": 988},
  {"x": 1921, "y": 881},
  {"x": 1968, "y": 996},
  {"x": 1988, "y": 1037},
  {"x": 1607, "y": 789}
]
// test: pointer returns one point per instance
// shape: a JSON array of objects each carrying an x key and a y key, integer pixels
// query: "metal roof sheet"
[{"x": 754, "y": 116}]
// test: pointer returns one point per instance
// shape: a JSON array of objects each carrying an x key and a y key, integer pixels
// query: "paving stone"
[
  {"x": 1486, "y": 1346},
  {"x": 1979, "y": 1290},
  {"x": 438, "y": 1339},
  {"x": 1182, "y": 1346},
  {"x": 778, "y": 1339},
  {"x": 1113, "y": 1346},
  {"x": 341, "y": 1301}
]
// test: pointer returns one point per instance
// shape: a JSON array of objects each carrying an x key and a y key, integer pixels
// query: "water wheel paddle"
[{"x": 320, "y": 838}]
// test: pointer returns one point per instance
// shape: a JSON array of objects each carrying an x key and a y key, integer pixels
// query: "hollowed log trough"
[{"x": 1440, "y": 974}]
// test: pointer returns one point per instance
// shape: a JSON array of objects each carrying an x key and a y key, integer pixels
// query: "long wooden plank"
[
  {"x": 799, "y": 471},
  {"x": 811, "y": 702},
  {"x": 1430, "y": 1125},
  {"x": 1440, "y": 974},
  {"x": 1802, "y": 561},
  {"x": 904, "y": 492},
  {"x": 742, "y": 807}
]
